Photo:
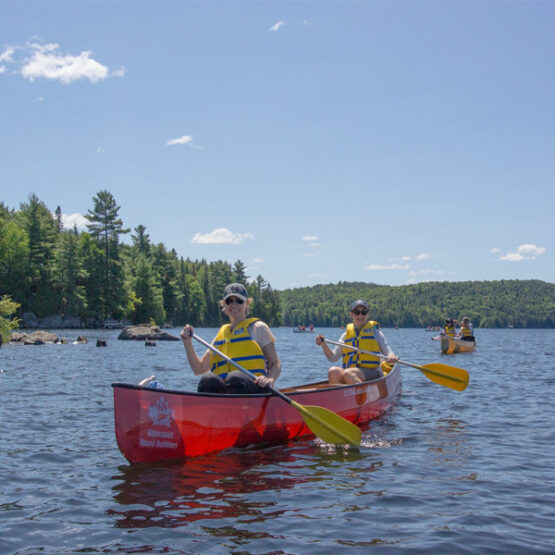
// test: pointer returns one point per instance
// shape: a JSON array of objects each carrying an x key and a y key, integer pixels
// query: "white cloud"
[
  {"x": 2, "y": 69},
  {"x": 511, "y": 257},
  {"x": 423, "y": 256},
  {"x": 387, "y": 267},
  {"x": 531, "y": 250},
  {"x": 495, "y": 249},
  {"x": 310, "y": 238},
  {"x": 311, "y": 254},
  {"x": 524, "y": 252},
  {"x": 317, "y": 275},
  {"x": 75, "y": 219},
  {"x": 276, "y": 26},
  {"x": 46, "y": 61},
  {"x": 258, "y": 260},
  {"x": 221, "y": 236},
  {"x": 186, "y": 139},
  {"x": 7, "y": 55}
]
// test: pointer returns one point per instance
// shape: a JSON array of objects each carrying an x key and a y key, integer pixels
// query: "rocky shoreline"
[{"x": 139, "y": 332}]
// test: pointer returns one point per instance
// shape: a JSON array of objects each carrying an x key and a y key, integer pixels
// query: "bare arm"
[
  {"x": 198, "y": 365},
  {"x": 332, "y": 355},
  {"x": 273, "y": 364}
]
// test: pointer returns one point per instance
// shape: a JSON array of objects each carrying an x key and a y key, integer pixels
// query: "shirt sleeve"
[
  {"x": 385, "y": 349},
  {"x": 261, "y": 333},
  {"x": 337, "y": 349}
]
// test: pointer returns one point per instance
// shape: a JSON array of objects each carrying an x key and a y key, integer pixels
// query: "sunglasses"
[
  {"x": 356, "y": 311},
  {"x": 236, "y": 300}
]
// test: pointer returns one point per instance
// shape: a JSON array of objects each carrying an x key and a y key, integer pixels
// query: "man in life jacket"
[
  {"x": 247, "y": 341},
  {"x": 362, "y": 334},
  {"x": 466, "y": 330}
]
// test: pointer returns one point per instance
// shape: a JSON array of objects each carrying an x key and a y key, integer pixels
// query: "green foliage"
[
  {"x": 7, "y": 309},
  {"x": 91, "y": 275},
  {"x": 492, "y": 304}
]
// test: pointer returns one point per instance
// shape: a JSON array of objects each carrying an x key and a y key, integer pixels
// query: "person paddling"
[
  {"x": 364, "y": 334},
  {"x": 449, "y": 328},
  {"x": 466, "y": 330},
  {"x": 247, "y": 341}
]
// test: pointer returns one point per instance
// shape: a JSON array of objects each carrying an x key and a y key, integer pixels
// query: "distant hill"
[{"x": 488, "y": 304}]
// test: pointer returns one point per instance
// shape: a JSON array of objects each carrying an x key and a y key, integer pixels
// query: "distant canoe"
[
  {"x": 295, "y": 330},
  {"x": 450, "y": 345}
]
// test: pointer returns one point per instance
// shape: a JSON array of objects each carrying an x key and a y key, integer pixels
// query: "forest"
[
  {"x": 92, "y": 276},
  {"x": 488, "y": 304}
]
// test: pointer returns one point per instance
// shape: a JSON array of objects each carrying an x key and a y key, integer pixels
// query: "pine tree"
[{"x": 106, "y": 227}]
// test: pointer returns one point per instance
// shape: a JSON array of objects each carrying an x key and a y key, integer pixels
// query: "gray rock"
[
  {"x": 142, "y": 332},
  {"x": 40, "y": 338}
]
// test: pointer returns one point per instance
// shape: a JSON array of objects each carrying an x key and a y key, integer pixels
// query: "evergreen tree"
[
  {"x": 92, "y": 261},
  {"x": 148, "y": 291},
  {"x": 238, "y": 273},
  {"x": 106, "y": 227},
  {"x": 69, "y": 275},
  {"x": 142, "y": 240},
  {"x": 41, "y": 229},
  {"x": 59, "y": 222}
]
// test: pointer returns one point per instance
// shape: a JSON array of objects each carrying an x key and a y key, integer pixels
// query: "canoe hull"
[
  {"x": 450, "y": 345},
  {"x": 154, "y": 424}
]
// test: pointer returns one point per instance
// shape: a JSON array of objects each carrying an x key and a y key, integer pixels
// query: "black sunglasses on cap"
[
  {"x": 356, "y": 311},
  {"x": 237, "y": 300}
]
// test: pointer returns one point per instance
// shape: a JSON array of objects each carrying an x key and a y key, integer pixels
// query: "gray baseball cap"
[
  {"x": 236, "y": 290},
  {"x": 360, "y": 302}
]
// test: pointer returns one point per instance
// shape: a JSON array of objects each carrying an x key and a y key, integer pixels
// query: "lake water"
[{"x": 443, "y": 472}]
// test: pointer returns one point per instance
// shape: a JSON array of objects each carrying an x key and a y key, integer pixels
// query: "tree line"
[
  {"x": 93, "y": 276},
  {"x": 488, "y": 304}
]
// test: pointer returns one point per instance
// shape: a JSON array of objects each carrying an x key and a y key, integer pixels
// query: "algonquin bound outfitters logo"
[{"x": 161, "y": 415}]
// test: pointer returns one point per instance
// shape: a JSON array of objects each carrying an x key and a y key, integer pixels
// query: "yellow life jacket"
[
  {"x": 449, "y": 330},
  {"x": 466, "y": 331},
  {"x": 239, "y": 346},
  {"x": 366, "y": 341}
]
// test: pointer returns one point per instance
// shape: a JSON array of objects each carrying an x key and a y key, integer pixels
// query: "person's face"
[
  {"x": 360, "y": 316},
  {"x": 235, "y": 307}
]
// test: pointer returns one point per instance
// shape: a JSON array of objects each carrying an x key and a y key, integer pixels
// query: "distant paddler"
[{"x": 466, "y": 330}]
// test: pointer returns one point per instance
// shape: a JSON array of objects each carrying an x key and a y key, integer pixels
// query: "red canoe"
[{"x": 159, "y": 424}]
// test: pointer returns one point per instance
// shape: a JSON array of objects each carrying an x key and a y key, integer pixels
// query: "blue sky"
[{"x": 384, "y": 142}]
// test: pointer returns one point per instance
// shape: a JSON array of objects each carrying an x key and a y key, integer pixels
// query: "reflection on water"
[{"x": 171, "y": 494}]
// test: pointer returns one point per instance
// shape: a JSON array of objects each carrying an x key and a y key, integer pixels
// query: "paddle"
[
  {"x": 324, "y": 423},
  {"x": 442, "y": 374}
]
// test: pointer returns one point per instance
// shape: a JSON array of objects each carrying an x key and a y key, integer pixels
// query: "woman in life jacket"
[
  {"x": 247, "y": 341},
  {"x": 449, "y": 327},
  {"x": 364, "y": 334}
]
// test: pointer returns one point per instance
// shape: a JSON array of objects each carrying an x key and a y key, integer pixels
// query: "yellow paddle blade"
[
  {"x": 448, "y": 376},
  {"x": 329, "y": 426}
]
